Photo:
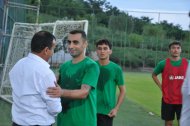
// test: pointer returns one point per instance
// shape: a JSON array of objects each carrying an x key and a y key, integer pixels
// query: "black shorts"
[
  {"x": 104, "y": 120},
  {"x": 168, "y": 111}
]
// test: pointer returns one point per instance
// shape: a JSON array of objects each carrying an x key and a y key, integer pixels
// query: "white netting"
[{"x": 19, "y": 46}]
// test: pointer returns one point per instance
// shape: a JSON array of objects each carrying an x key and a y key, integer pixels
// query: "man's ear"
[
  {"x": 45, "y": 50},
  {"x": 110, "y": 52},
  {"x": 86, "y": 44}
]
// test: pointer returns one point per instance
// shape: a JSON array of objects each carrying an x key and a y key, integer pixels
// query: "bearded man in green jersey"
[{"x": 78, "y": 80}]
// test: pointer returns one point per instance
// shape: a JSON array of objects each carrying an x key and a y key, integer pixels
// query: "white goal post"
[{"x": 19, "y": 46}]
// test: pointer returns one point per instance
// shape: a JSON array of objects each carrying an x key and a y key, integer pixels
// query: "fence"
[
  {"x": 139, "y": 40},
  {"x": 19, "y": 46}
]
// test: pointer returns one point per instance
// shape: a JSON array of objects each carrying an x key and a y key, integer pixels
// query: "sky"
[{"x": 174, "y": 11}]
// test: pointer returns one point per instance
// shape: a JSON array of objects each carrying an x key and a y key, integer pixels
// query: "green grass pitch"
[{"x": 142, "y": 97}]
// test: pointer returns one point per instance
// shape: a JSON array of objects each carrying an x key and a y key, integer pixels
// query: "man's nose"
[
  {"x": 102, "y": 50},
  {"x": 70, "y": 45}
]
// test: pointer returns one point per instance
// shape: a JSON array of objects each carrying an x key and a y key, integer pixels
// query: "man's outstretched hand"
[{"x": 54, "y": 92}]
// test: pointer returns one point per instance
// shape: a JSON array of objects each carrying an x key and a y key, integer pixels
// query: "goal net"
[{"x": 19, "y": 47}]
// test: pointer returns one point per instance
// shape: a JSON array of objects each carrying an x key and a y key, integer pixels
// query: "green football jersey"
[
  {"x": 111, "y": 76},
  {"x": 79, "y": 112}
]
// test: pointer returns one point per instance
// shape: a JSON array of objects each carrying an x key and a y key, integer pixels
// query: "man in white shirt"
[
  {"x": 30, "y": 77},
  {"x": 185, "y": 112}
]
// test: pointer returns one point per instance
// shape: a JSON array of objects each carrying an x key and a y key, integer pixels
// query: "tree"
[
  {"x": 121, "y": 22},
  {"x": 139, "y": 23},
  {"x": 173, "y": 31},
  {"x": 153, "y": 31},
  {"x": 135, "y": 40}
]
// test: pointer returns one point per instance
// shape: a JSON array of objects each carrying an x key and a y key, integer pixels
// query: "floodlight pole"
[{"x": 38, "y": 11}]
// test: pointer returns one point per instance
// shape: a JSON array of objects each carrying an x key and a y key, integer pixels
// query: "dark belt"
[{"x": 14, "y": 124}]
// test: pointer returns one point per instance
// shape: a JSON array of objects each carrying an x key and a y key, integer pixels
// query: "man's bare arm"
[
  {"x": 156, "y": 80},
  {"x": 120, "y": 99},
  {"x": 81, "y": 93}
]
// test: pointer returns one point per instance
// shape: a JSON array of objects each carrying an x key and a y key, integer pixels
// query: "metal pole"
[
  {"x": 6, "y": 20},
  {"x": 159, "y": 17},
  {"x": 38, "y": 12},
  {"x": 4, "y": 15}
]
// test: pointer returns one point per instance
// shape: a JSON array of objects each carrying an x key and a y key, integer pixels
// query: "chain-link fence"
[
  {"x": 12, "y": 11},
  {"x": 140, "y": 39}
]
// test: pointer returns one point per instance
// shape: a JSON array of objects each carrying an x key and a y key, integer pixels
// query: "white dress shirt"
[
  {"x": 30, "y": 77},
  {"x": 185, "y": 113}
]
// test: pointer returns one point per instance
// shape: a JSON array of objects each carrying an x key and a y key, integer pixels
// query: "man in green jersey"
[
  {"x": 78, "y": 80},
  {"x": 173, "y": 71},
  {"x": 110, "y": 77}
]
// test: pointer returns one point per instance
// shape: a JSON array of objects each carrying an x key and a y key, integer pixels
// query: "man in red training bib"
[{"x": 173, "y": 71}]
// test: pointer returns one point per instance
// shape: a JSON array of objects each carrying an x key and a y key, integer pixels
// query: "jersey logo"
[{"x": 171, "y": 77}]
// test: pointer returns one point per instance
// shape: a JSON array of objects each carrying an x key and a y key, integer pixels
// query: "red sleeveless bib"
[{"x": 172, "y": 80}]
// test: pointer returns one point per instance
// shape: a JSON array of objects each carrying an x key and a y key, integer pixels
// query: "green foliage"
[
  {"x": 139, "y": 23},
  {"x": 121, "y": 22},
  {"x": 153, "y": 31},
  {"x": 45, "y": 18},
  {"x": 135, "y": 40},
  {"x": 172, "y": 31},
  {"x": 115, "y": 26}
]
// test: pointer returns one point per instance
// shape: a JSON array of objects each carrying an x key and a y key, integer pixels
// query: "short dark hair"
[
  {"x": 83, "y": 34},
  {"x": 41, "y": 40},
  {"x": 174, "y": 43},
  {"x": 104, "y": 41}
]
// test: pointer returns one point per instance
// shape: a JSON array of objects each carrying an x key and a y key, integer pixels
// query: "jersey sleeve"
[
  {"x": 160, "y": 67},
  {"x": 91, "y": 75},
  {"x": 119, "y": 76}
]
